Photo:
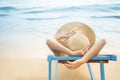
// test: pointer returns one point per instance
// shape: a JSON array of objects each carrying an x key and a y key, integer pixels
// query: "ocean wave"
[
  {"x": 46, "y": 18},
  {"x": 116, "y": 17},
  {"x": 61, "y": 9},
  {"x": 7, "y": 8},
  {"x": 3, "y": 15},
  {"x": 82, "y": 8}
]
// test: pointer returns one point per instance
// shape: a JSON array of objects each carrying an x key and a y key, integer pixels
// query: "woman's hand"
[
  {"x": 74, "y": 64},
  {"x": 81, "y": 52}
]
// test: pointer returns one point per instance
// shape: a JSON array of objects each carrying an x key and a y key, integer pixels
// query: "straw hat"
[
  {"x": 75, "y": 35},
  {"x": 78, "y": 41}
]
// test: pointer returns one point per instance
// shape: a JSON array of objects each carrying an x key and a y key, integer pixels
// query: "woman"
[
  {"x": 57, "y": 48},
  {"x": 75, "y": 39}
]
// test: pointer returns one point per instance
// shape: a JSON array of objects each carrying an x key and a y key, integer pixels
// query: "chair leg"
[
  {"x": 90, "y": 71},
  {"x": 56, "y": 71},
  {"x": 102, "y": 71},
  {"x": 49, "y": 69}
]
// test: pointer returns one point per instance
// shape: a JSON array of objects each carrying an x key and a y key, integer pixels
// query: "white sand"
[{"x": 24, "y": 58}]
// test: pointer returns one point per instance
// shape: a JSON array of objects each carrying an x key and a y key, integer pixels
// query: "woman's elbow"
[
  {"x": 104, "y": 41},
  {"x": 48, "y": 41}
]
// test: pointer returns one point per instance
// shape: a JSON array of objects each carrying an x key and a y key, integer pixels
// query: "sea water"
[{"x": 44, "y": 17}]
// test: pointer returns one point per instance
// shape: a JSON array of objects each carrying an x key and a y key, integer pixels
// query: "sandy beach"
[{"x": 25, "y": 59}]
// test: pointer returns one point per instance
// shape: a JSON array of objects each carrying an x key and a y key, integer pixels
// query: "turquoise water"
[{"x": 44, "y": 17}]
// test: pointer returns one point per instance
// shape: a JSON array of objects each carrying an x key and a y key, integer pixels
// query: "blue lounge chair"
[{"x": 96, "y": 59}]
